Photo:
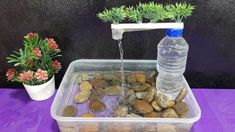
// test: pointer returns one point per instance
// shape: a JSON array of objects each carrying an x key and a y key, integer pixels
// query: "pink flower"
[
  {"x": 41, "y": 75},
  {"x": 56, "y": 64},
  {"x": 26, "y": 75},
  {"x": 52, "y": 44},
  {"x": 10, "y": 74},
  {"x": 30, "y": 35},
  {"x": 37, "y": 52}
]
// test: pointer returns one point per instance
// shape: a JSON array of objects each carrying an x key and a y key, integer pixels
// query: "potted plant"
[{"x": 35, "y": 65}]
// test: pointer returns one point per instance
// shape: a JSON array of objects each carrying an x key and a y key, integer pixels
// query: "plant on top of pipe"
[
  {"x": 114, "y": 15},
  {"x": 179, "y": 11},
  {"x": 151, "y": 11}
]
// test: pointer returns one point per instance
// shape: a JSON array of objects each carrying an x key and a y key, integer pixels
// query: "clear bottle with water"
[{"x": 171, "y": 62}]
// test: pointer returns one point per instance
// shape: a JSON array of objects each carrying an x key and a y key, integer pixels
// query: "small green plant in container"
[{"x": 35, "y": 65}]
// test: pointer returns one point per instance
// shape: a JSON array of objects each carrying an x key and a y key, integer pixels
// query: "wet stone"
[
  {"x": 97, "y": 93},
  {"x": 129, "y": 99},
  {"x": 109, "y": 76},
  {"x": 116, "y": 81},
  {"x": 140, "y": 77},
  {"x": 84, "y": 86},
  {"x": 97, "y": 106},
  {"x": 97, "y": 76},
  {"x": 113, "y": 90},
  {"x": 133, "y": 115},
  {"x": 82, "y": 96},
  {"x": 142, "y": 106},
  {"x": 150, "y": 94},
  {"x": 99, "y": 83},
  {"x": 181, "y": 95},
  {"x": 85, "y": 77},
  {"x": 153, "y": 115},
  {"x": 140, "y": 95},
  {"x": 181, "y": 108},
  {"x": 121, "y": 111},
  {"x": 169, "y": 113},
  {"x": 151, "y": 81},
  {"x": 156, "y": 106},
  {"x": 69, "y": 111},
  {"x": 151, "y": 74},
  {"x": 163, "y": 101},
  {"x": 139, "y": 88},
  {"x": 88, "y": 115},
  {"x": 131, "y": 78}
]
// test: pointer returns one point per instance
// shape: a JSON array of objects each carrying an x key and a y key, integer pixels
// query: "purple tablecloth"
[{"x": 18, "y": 113}]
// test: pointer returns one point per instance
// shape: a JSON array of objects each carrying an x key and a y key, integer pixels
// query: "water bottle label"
[{"x": 174, "y": 32}]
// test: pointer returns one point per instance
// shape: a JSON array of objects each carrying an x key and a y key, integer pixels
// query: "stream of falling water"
[{"x": 122, "y": 65}]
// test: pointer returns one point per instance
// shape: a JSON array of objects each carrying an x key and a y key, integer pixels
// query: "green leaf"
[
  {"x": 134, "y": 15},
  {"x": 179, "y": 11},
  {"x": 114, "y": 15},
  {"x": 152, "y": 11}
]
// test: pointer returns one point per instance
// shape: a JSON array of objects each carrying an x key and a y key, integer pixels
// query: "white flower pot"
[{"x": 42, "y": 91}]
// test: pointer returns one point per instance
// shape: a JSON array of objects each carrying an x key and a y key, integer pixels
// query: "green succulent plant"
[
  {"x": 179, "y": 11},
  {"x": 114, "y": 15},
  {"x": 134, "y": 15},
  {"x": 152, "y": 11}
]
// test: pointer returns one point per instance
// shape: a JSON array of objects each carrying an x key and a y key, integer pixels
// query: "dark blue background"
[{"x": 210, "y": 33}]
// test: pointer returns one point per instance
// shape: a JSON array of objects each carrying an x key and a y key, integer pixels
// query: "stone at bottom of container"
[{"x": 69, "y": 111}]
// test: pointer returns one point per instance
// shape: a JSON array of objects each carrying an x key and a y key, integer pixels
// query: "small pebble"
[
  {"x": 181, "y": 95},
  {"x": 84, "y": 86},
  {"x": 169, "y": 113},
  {"x": 85, "y": 77},
  {"x": 109, "y": 76},
  {"x": 131, "y": 78},
  {"x": 132, "y": 115},
  {"x": 142, "y": 106},
  {"x": 99, "y": 83},
  {"x": 129, "y": 99},
  {"x": 113, "y": 90},
  {"x": 151, "y": 81},
  {"x": 69, "y": 111},
  {"x": 163, "y": 101},
  {"x": 151, "y": 74},
  {"x": 140, "y": 95},
  {"x": 150, "y": 95},
  {"x": 121, "y": 111},
  {"x": 116, "y": 81},
  {"x": 181, "y": 108},
  {"x": 155, "y": 106},
  {"x": 97, "y": 106},
  {"x": 97, "y": 93},
  {"x": 140, "y": 88},
  {"x": 82, "y": 96},
  {"x": 88, "y": 115},
  {"x": 140, "y": 77},
  {"x": 97, "y": 76},
  {"x": 153, "y": 114}
]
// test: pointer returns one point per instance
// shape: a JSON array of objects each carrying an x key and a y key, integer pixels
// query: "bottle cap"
[{"x": 174, "y": 32}]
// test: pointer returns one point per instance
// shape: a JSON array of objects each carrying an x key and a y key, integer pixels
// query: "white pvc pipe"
[
  {"x": 119, "y": 29},
  {"x": 136, "y": 27}
]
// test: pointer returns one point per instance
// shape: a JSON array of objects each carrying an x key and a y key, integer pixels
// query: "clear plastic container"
[{"x": 113, "y": 124}]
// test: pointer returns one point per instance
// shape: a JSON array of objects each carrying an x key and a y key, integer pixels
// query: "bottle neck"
[{"x": 174, "y": 32}]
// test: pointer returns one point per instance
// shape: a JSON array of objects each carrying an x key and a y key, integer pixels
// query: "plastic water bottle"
[{"x": 171, "y": 62}]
